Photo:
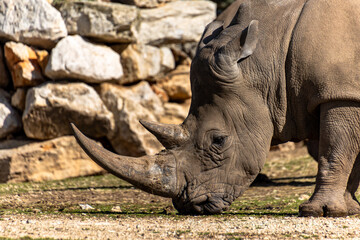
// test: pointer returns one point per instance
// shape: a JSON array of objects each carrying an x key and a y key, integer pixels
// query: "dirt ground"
[{"x": 104, "y": 207}]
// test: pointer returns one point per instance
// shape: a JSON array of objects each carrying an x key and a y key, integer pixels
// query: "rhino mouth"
[{"x": 202, "y": 205}]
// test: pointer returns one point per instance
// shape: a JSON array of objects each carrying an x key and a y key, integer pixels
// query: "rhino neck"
[{"x": 269, "y": 63}]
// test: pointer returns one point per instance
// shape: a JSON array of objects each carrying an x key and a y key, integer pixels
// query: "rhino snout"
[{"x": 202, "y": 205}]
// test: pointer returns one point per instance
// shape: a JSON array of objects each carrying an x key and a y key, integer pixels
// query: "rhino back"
[{"x": 324, "y": 59}]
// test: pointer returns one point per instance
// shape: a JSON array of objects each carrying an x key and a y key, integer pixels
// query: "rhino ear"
[
  {"x": 244, "y": 44},
  {"x": 239, "y": 47},
  {"x": 251, "y": 39}
]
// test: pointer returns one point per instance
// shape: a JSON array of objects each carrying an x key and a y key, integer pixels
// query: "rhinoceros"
[{"x": 265, "y": 72}]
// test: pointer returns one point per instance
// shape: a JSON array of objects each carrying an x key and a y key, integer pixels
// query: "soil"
[{"x": 104, "y": 207}]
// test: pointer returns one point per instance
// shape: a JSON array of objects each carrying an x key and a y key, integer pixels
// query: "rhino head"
[{"x": 215, "y": 154}]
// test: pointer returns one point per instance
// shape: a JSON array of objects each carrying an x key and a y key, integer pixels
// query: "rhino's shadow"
[{"x": 263, "y": 181}]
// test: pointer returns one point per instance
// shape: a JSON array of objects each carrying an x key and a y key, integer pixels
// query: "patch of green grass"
[
  {"x": 131, "y": 210},
  {"x": 243, "y": 207},
  {"x": 106, "y": 182},
  {"x": 269, "y": 206},
  {"x": 305, "y": 165},
  {"x": 309, "y": 236},
  {"x": 204, "y": 234},
  {"x": 283, "y": 204},
  {"x": 101, "y": 181},
  {"x": 127, "y": 208},
  {"x": 104, "y": 210},
  {"x": 265, "y": 206},
  {"x": 297, "y": 164}
]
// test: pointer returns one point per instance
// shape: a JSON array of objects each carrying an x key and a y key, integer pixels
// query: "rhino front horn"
[{"x": 153, "y": 174}]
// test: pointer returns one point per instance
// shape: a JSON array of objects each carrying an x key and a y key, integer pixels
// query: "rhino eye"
[{"x": 219, "y": 141}]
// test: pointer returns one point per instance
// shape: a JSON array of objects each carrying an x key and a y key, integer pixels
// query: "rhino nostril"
[
  {"x": 200, "y": 200},
  {"x": 204, "y": 204},
  {"x": 215, "y": 205},
  {"x": 198, "y": 209}
]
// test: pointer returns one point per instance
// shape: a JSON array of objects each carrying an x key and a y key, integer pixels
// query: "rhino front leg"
[
  {"x": 352, "y": 203},
  {"x": 339, "y": 146}
]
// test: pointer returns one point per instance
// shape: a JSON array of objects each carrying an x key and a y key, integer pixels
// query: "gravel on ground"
[{"x": 178, "y": 227}]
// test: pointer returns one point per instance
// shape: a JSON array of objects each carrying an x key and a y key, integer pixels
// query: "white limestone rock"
[
  {"x": 10, "y": 120},
  {"x": 56, "y": 159},
  {"x": 175, "y": 22},
  {"x": 34, "y": 22},
  {"x": 129, "y": 105},
  {"x": 74, "y": 57},
  {"x": 107, "y": 22},
  {"x": 175, "y": 113},
  {"x": 51, "y": 107},
  {"x": 145, "y": 62},
  {"x": 177, "y": 83}
]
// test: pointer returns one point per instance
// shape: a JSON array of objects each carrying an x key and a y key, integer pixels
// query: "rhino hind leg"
[
  {"x": 338, "y": 172},
  {"x": 313, "y": 148}
]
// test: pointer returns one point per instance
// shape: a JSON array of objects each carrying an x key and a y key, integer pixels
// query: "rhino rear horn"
[{"x": 169, "y": 135}]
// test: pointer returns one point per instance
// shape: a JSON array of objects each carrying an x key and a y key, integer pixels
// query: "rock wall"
[{"x": 101, "y": 65}]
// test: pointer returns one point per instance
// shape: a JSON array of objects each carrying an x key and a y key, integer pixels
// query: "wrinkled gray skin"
[{"x": 266, "y": 72}]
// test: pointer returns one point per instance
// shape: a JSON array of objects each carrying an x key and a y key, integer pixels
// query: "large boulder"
[
  {"x": 129, "y": 105},
  {"x": 34, "y": 22},
  {"x": 10, "y": 120},
  {"x": 74, "y": 57},
  {"x": 175, "y": 22},
  {"x": 24, "y": 65},
  {"x": 109, "y": 22},
  {"x": 177, "y": 83},
  {"x": 144, "y": 62},
  {"x": 175, "y": 113},
  {"x": 52, "y": 106},
  {"x": 56, "y": 159}
]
